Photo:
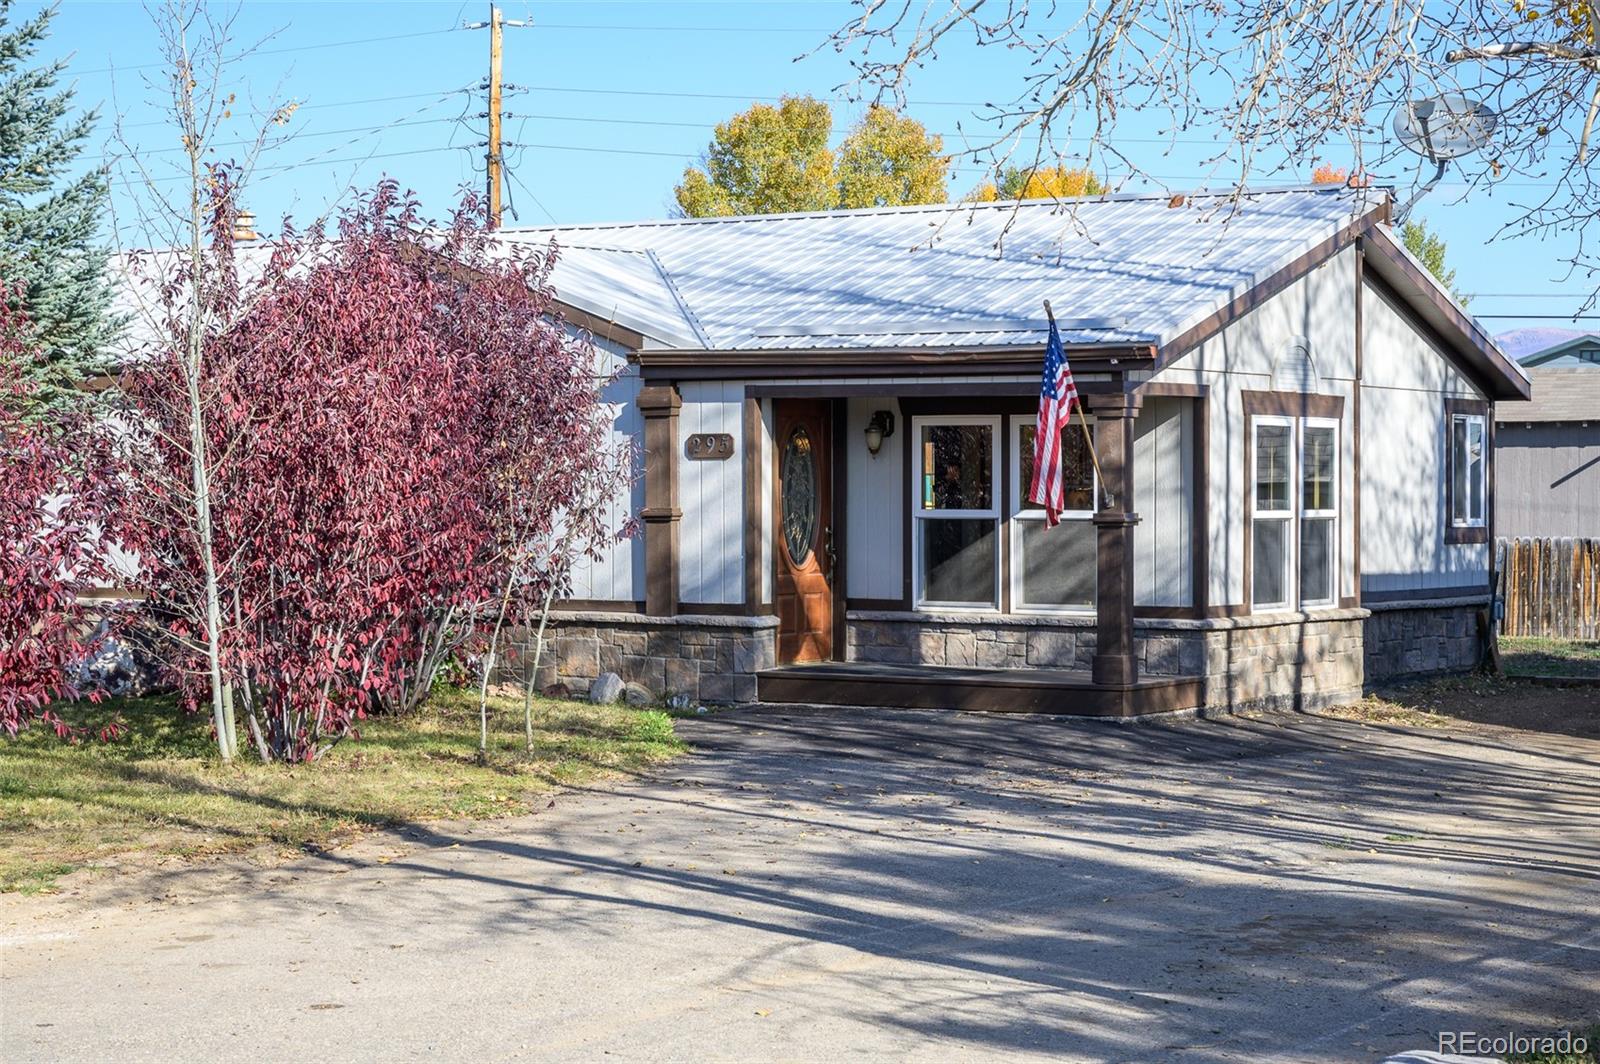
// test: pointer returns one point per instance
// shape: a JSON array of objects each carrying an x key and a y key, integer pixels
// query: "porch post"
[
  {"x": 1114, "y": 661},
  {"x": 659, "y": 403}
]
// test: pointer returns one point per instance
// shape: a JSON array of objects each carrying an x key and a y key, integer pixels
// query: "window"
[
  {"x": 1052, "y": 569},
  {"x": 1319, "y": 510},
  {"x": 1468, "y": 470},
  {"x": 956, "y": 514},
  {"x": 1269, "y": 528},
  {"x": 1294, "y": 523}
]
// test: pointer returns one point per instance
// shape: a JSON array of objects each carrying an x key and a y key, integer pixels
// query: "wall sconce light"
[{"x": 879, "y": 428}]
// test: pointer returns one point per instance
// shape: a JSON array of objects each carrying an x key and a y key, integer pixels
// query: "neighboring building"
[
  {"x": 1582, "y": 349},
  {"x": 836, "y": 413},
  {"x": 1547, "y": 452},
  {"x": 1518, "y": 344}
]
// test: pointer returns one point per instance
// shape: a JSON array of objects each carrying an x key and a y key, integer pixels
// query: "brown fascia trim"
[
  {"x": 1458, "y": 335},
  {"x": 600, "y": 328},
  {"x": 797, "y": 364},
  {"x": 1247, "y": 301}
]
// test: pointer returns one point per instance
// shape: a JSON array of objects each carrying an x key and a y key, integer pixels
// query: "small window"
[
  {"x": 956, "y": 540},
  {"x": 1271, "y": 516},
  {"x": 1468, "y": 470},
  {"x": 1053, "y": 569},
  {"x": 1319, "y": 510}
]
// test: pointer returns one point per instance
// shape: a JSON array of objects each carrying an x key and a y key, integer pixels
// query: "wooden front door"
[{"x": 803, "y": 519}]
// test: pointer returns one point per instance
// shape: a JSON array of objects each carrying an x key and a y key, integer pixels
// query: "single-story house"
[
  {"x": 1547, "y": 453},
  {"x": 1293, "y": 422}
]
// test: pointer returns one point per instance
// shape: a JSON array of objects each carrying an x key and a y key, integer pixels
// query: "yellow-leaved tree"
[
  {"x": 769, "y": 160},
  {"x": 889, "y": 160},
  {"x": 1049, "y": 182}
]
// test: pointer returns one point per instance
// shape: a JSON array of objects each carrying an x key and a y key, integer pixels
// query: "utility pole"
[
  {"x": 492, "y": 161},
  {"x": 492, "y": 157}
]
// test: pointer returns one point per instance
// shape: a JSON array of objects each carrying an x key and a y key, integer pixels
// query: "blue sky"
[{"x": 618, "y": 98}]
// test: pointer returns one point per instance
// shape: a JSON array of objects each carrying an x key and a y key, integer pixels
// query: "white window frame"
[
  {"x": 918, "y": 514},
  {"x": 1297, "y": 513},
  {"x": 1291, "y": 534},
  {"x": 1331, "y": 514},
  {"x": 1019, "y": 514},
  {"x": 1481, "y": 422}
]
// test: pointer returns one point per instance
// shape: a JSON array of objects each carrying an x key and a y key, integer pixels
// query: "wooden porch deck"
[{"x": 1055, "y": 691}]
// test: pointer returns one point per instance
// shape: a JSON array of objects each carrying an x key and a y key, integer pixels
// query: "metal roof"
[
  {"x": 1560, "y": 393},
  {"x": 1118, "y": 269}
]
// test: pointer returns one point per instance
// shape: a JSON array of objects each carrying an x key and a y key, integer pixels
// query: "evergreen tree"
[{"x": 48, "y": 218}]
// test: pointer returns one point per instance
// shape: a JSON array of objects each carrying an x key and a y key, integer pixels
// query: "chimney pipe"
[{"x": 244, "y": 227}]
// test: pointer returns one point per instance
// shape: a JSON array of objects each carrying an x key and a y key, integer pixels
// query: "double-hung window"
[
  {"x": 1468, "y": 470},
  {"x": 955, "y": 512},
  {"x": 1294, "y": 514},
  {"x": 1052, "y": 570}
]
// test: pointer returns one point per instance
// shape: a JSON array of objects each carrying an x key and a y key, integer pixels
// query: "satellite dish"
[
  {"x": 1440, "y": 128},
  {"x": 1446, "y": 126}
]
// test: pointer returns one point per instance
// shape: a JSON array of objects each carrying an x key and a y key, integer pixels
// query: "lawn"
[
  {"x": 1532, "y": 656},
  {"x": 159, "y": 790}
]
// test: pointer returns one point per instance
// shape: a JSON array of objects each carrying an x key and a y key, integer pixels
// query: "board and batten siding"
[
  {"x": 711, "y": 496},
  {"x": 1163, "y": 495},
  {"x": 618, "y": 575},
  {"x": 1302, "y": 339},
  {"x": 1405, "y": 382},
  {"x": 1547, "y": 478}
]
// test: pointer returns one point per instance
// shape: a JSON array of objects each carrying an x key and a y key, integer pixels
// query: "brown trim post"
[
  {"x": 660, "y": 405},
  {"x": 1114, "y": 660}
]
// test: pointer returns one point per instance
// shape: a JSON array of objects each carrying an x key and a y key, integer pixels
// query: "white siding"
[
  {"x": 711, "y": 495},
  {"x": 876, "y": 502},
  {"x": 1317, "y": 310},
  {"x": 1405, "y": 381},
  {"x": 1163, "y": 496},
  {"x": 619, "y": 574}
]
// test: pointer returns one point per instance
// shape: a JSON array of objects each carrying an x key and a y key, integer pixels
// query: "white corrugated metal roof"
[{"x": 1127, "y": 269}]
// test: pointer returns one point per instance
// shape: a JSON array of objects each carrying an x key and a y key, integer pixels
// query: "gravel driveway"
[{"x": 831, "y": 885}]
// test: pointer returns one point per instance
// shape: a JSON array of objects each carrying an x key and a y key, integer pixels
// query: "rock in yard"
[
  {"x": 638, "y": 695},
  {"x": 606, "y": 689}
]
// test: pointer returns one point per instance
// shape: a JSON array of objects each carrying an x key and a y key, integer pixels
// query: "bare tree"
[
  {"x": 188, "y": 288},
  {"x": 1275, "y": 83}
]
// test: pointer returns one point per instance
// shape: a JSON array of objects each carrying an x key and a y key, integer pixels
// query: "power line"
[
  {"x": 279, "y": 51},
  {"x": 319, "y": 106}
]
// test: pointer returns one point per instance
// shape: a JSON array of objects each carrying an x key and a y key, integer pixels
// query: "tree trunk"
[{"x": 533, "y": 670}]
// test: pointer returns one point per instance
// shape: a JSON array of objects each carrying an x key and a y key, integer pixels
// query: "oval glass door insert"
[{"x": 799, "y": 500}]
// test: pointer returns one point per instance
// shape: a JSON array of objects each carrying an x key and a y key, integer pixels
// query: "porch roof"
[{"x": 1119, "y": 270}]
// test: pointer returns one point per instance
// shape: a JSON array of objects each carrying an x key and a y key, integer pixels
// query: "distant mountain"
[{"x": 1520, "y": 342}]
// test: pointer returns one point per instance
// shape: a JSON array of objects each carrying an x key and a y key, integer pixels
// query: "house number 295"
[{"x": 709, "y": 446}]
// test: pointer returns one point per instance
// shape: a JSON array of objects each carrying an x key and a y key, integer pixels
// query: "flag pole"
[{"x": 1099, "y": 478}]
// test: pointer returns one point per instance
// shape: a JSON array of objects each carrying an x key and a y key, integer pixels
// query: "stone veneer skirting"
[
  {"x": 1289, "y": 660},
  {"x": 1423, "y": 637},
  {"x": 1303, "y": 660},
  {"x": 710, "y": 659}
]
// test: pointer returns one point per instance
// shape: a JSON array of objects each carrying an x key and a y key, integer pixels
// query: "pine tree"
[{"x": 49, "y": 218}]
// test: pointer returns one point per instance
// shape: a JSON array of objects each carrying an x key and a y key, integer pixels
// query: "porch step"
[{"x": 1056, "y": 691}]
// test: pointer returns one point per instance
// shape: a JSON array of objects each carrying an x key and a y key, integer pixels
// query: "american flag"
[{"x": 1057, "y": 396}]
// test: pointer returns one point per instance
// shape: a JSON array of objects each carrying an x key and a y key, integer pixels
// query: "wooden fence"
[{"x": 1551, "y": 587}]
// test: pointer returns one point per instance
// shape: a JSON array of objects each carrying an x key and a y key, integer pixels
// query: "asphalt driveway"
[{"x": 823, "y": 886}]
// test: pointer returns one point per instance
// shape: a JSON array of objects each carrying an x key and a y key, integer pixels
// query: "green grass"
[
  {"x": 1533, "y": 656},
  {"x": 160, "y": 789}
]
